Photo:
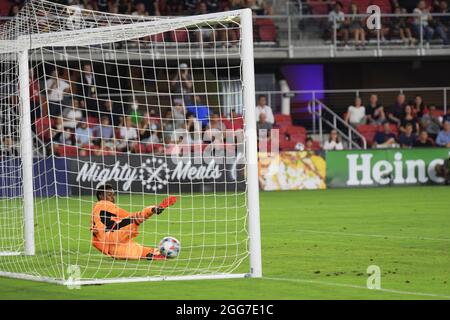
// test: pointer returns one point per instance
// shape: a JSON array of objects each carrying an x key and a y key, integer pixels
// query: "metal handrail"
[{"x": 318, "y": 108}]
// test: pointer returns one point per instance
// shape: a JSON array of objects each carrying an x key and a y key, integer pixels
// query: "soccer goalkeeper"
[{"x": 113, "y": 228}]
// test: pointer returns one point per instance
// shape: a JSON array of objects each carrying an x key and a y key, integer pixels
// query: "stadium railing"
[{"x": 298, "y": 35}]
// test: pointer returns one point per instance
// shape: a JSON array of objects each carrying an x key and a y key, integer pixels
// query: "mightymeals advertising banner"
[
  {"x": 153, "y": 174},
  {"x": 294, "y": 170},
  {"x": 381, "y": 167}
]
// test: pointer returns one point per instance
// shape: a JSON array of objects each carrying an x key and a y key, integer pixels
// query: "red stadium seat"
[
  {"x": 180, "y": 35},
  {"x": 368, "y": 131},
  {"x": 267, "y": 31},
  {"x": 67, "y": 151},
  {"x": 283, "y": 119},
  {"x": 318, "y": 7}
]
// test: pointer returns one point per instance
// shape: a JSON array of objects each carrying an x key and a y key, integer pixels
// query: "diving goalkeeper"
[{"x": 113, "y": 228}]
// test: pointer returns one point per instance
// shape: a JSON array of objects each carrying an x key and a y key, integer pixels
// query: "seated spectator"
[
  {"x": 259, "y": 7},
  {"x": 407, "y": 138},
  {"x": 181, "y": 136},
  {"x": 128, "y": 135},
  {"x": 61, "y": 135},
  {"x": 83, "y": 133},
  {"x": 430, "y": 122},
  {"x": 309, "y": 145},
  {"x": 442, "y": 23},
  {"x": 396, "y": 112},
  {"x": 375, "y": 111},
  {"x": 402, "y": 26},
  {"x": 419, "y": 107},
  {"x": 423, "y": 141},
  {"x": 72, "y": 115},
  {"x": 263, "y": 126},
  {"x": 409, "y": 118},
  {"x": 333, "y": 142},
  {"x": 8, "y": 147},
  {"x": 104, "y": 130},
  {"x": 446, "y": 116},
  {"x": 214, "y": 130},
  {"x": 262, "y": 107},
  {"x": 385, "y": 138},
  {"x": 204, "y": 33},
  {"x": 356, "y": 114},
  {"x": 423, "y": 20},
  {"x": 443, "y": 138},
  {"x": 356, "y": 26},
  {"x": 337, "y": 20},
  {"x": 194, "y": 127},
  {"x": 179, "y": 113},
  {"x": 167, "y": 126}
]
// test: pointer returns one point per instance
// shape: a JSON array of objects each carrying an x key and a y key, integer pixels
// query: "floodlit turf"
[{"x": 318, "y": 245}]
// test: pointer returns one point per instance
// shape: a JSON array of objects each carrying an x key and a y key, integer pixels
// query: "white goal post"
[{"x": 154, "y": 106}]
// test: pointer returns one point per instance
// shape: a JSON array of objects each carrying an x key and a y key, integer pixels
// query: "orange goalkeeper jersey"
[{"x": 111, "y": 225}]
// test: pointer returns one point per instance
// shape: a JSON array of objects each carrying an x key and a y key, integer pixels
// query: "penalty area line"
[{"x": 335, "y": 284}]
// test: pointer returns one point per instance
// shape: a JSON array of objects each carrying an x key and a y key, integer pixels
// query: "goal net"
[{"x": 153, "y": 106}]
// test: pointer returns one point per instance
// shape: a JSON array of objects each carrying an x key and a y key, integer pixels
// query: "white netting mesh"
[{"x": 121, "y": 99}]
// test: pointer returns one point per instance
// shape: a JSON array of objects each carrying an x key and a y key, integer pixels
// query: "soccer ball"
[{"x": 170, "y": 247}]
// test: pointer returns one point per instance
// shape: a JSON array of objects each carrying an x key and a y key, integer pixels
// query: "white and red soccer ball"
[{"x": 170, "y": 247}]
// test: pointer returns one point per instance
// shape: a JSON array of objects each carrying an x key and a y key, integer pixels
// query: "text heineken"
[{"x": 384, "y": 167}]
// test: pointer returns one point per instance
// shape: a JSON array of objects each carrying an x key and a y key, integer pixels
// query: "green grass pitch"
[{"x": 315, "y": 245}]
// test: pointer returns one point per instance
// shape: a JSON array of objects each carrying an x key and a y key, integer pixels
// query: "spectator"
[
  {"x": 419, "y": 107},
  {"x": 375, "y": 111},
  {"x": 407, "y": 138},
  {"x": 190, "y": 6},
  {"x": 128, "y": 135},
  {"x": 112, "y": 111},
  {"x": 385, "y": 138},
  {"x": 446, "y": 116},
  {"x": 423, "y": 141},
  {"x": 443, "y": 138},
  {"x": 8, "y": 147},
  {"x": 259, "y": 7},
  {"x": 182, "y": 84},
  {"x": 430, "y": 122},
  {"x": 60, "y": 134},
  {"x": 56, "y": 88},
  {"x": 356, "y": 114},
  {"x": 356, "y": 26},
  {"x": 205, "y": 33},
  {"x": 263, "y": 126},
  {"x": 214, "y": 130},
  {"x": 72, "y": 115},
  {"x": 401, "y": 25},
  {"x": 167, "y": 125},
  {"x": 124, "y": 6},
  {"x": 146, "y": 135},
  {"x": 104, "y": 131},
  {"x": 423, "y": 21},
  {"x": 174, "y": 7},
  {"x": 397, "y": 111},
  {"x": 409, "y": 118},
  {"x": 181, "y": 136},
  {"x": 333, "y": 142},
  {"x": 179, "y": 113},
  {"x": 443, "y": 22},
  {"x": 87, "y": 89},
  {"x": 262, "y": 107},
  {"x": 194, "y": 127},
  {"x": 309, "y": 145},
  {"x": 337, "y": 22},
  {"x": 83, "y": 133}
]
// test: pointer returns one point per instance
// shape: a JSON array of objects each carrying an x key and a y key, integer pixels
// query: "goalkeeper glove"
[{"x": 164, "y": 204}]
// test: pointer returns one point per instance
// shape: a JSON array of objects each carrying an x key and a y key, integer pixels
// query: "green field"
[{"x": 316, "y": 245}]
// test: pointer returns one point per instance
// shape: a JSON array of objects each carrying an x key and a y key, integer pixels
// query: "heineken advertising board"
[{"x": 381, "y": 167}]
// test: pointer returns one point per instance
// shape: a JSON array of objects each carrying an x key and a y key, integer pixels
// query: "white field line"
[
  {"x": 372, "y": 235},
  {"x": 334, "y": 284}
]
